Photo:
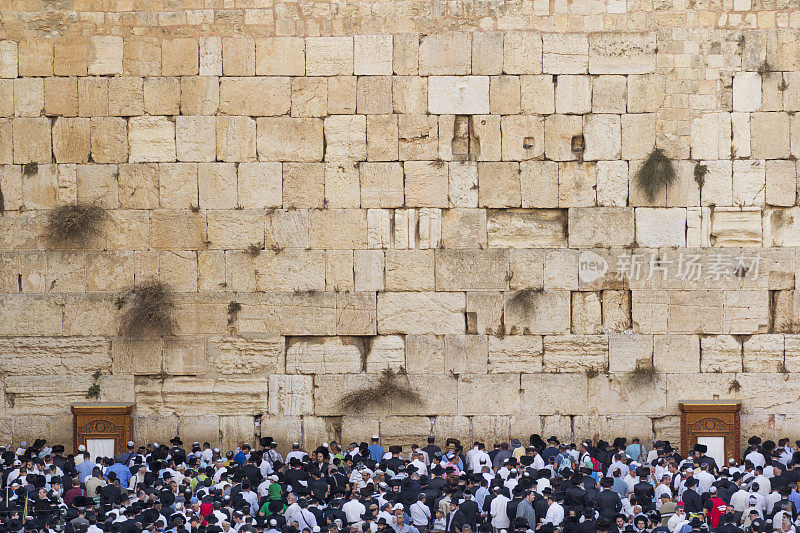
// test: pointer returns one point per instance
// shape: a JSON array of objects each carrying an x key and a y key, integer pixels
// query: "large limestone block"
[
  {"x": 287, "y": 270},
  {"x": 325, "y": 355},
  {"x": 504, "y": 95},
  {"x": 575, "y": 353},
  {"x": 9, "y": 59},
  {"x": 181, "y": 57},
  {"x": 769, "y": 135},
  {"x": 484, "y": 394},
  {"x": 329, "y": 56},
  {"x": 158, "y": 427},
  {"x": 527, "y": 228},
  {"x": 421, "y": 313},
  {"x": 303, "y": 313},
  {"x": 515, "y": 353},
  {"x": 29, "y": 97},
  {"x": 104, "y": 55},
  {"x": 410, "y": 270},
  {"x": 485, "y": 313},
  {"x": 57, "y": 355},
  {"x": 711, "y": 136},
  {"x": 185, "y": 356},
  {"x": 405, "y": 430},
  {"x": 531, "y": 312},
  {"x": 558, "y": 133},
  {"x": 574, "y": 95},
  {"x": 385, "y": 352},
  {"x": 53, "y": 394},
  {"x": 137, "y": 356},
  {"x": 746, "y": 91},
  {"x": 471, "y": 269},
  {"x": 523, "y": 137},
  {"x": 466, "y": 354},
  {"x": 602, "y": 134},
  {"x": 577, "y": 184},
  {"x": 522, "y": 52},
  {"x": 696, "y": 311},
  {"x": 554, "y": 394},
  {"x": 781, "y": 183},
  {"x": 616, "y": 310},
  {"x": 720, "y": 353},
  {"x": 763, "y": 353},
  {"x": 638, "y": 135},
  {"x": 601, "y": 226},
  {"x": 426, "y": 184},
  {"x": 280, "y": 56},
  {"x": 733, "y": 227},
  {"x": 539, "y": 183},
  {"x": 253, "y": 354},
  {"x": 345, "y": 138},
  {"x": 749, "y": 183},
  {"x": 438, "y": 394},
  {"x": 621, "y": 393},
  {"x": 622, "y": 53},
  {"x": 499, "y": 184},
  {"x": 262, "y": 96},
  {"x": 587, "y": 312},
  {"x": 336, "y": 229},
  {"x": 537, "y": 94},
  {"x": 676, "y": 354},
  {"x": 445, "y": 53},
  {"x": 151, "y": 139},
  {"x": 31, "y": 140},
  {"x": 612, "y": 183},
  {"x": 465, "y": 95},
  {"x": 626, "y": 351},
  {"x": 291, "y": 395},
  {"x": 565, "y": 53},
  {"x": 645, "y": 92},
  {"x": 657, "y": 228},
  {"x": 226, "y": 396},
  {"x": 235, "y": 139},
  {"x": 746, "y": 311},
  {"x": 425, "y": 354},
  {"x": 289, "y": 139},
  {"x": 33, "y": 315}
]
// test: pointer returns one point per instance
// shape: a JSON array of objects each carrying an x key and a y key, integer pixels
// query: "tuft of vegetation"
[
  {"x": 75, "y": 222},
  {"x": 764, "y": 68},
  {"x": 149, "y": 312},
  {"x": 119, "y": 302},
  {"x": 2, "y": 203},
  {"x": 387, "y": 386},
  {"x": 592, "y": 372},
  {"x": 782, "y": 368},
  {"x": 656, "y": 174},
  {"x": 94, "y": 389},
  {"x": 643, "y": 373},
  {"x": 233, "y": 312},
  {"x": 735, "y": 386},
  {"x": 30, "y": 169},
  {"x": 782, "y": 86},
  {"x": 254, "y": 249},
  {"x": 700, "y": 172}
]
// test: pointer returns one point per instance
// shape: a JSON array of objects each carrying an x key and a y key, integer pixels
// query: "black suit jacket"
[
  {"x": 454, "y": 521},
  {"x": 470, "y": 511}
]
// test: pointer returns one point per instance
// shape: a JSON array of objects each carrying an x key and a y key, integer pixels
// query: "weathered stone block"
[
  {"x": 537, "y": 312},
  {"x": 467, "y": 95},
  {"x": 421, "y": 313},
  {"x": 622, "y": 53},
  {"x": 280, "y": 56},
  {"x": 445, "y": 53},
  {"x": 305, "y": 134},
  {"x": 329, "y": 56},
  {"x": 255, "y": 96}
]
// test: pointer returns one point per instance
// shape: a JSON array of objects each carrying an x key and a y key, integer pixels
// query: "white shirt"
[
  {"x": 756, "y": 458},
  {"x": 498, "y": 512},
  {"x": 353, "y": 510},
  {"x": 704, "y": 481},
  {"x": 295, "y": 453},
  {"x": 555, "y": 514},
  {"x": 420, "y": 513}
]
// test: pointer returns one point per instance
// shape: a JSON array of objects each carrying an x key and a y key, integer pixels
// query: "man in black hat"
[
  {"x": 551, "y": 450},
  {"x": 608, "y": 501},
  {"x": 692, "y": 502}
]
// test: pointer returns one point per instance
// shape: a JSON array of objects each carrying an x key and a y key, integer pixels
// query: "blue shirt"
[
  {"x": 123, "y": 473},
  {"x": 376, "y": 451},
  {"x": 635, "y": 450},
  {"x": 240, "y": 458},
  {"x": 794, "y": 497},
  {"x": 84, "y": 469}
]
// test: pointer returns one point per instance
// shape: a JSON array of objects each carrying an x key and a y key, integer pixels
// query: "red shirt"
[{"x": 718, "y": 507}]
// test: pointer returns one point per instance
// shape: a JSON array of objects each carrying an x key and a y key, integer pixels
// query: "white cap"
[
  {"x": 397, "y": 506},
  {"x": 316, "y": 529},
  {"x": 130, "y": 444},
  {"x": 375, "y": 437},
  {"x": 81, "y": 448},
  {"x": 324, "y": 444},
  {"x": 23, "y": 444}
]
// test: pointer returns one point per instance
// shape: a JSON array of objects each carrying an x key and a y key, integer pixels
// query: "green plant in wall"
[
  {"x": 75, "y": 222},
  {"x": 233, "y": 312},
  {"x": 655, "y": 174},
  {"x": 94, "y": 389},
  {"x": 700, "y": 172},
  {"x": 149, "y": 312},
  {"x": 643, "y": 373}
]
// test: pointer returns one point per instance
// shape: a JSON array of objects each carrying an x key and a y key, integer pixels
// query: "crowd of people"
[{"x": 540, "y": 487}]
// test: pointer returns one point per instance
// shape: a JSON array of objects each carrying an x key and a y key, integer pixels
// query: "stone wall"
[{"x": 391, "y": 184}]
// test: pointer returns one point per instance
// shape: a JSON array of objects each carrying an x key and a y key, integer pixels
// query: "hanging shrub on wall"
[
  {"x": 655, "y": 174},
  {"x": 389, "y": 385},
  {"x": 149, "y": 312},
  {"x": 75, "y": 222}
]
